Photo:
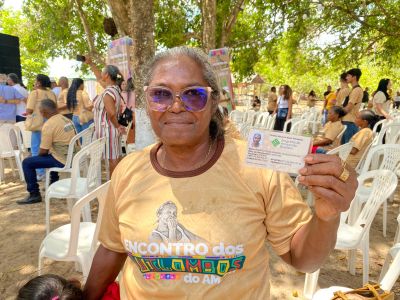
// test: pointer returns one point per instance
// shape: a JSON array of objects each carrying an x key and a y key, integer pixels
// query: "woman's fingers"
[{"x": 325, "y": 181}]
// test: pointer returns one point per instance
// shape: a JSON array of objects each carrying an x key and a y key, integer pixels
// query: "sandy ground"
[{"x": 22, "y": 230}]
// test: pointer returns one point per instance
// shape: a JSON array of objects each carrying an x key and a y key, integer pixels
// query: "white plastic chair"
[
  {"x": 271, "y": 122},
  {"x": 343, "y": 150},
  {"x": 26, "y": 135},
  {"x": 83, "y": 138},
  {"x": 236, "y": 116},
  {"x": 291, "y": 121},
  {"x": 338, "y": 139},
  {"x": 356, "y": 236},
  {"x": 386, "y": 283},
  {"x": 391, "y": 254},
  {"x": 8, "y": 151},
  {"x": 77, "y": 186},
  {"x": 76, "y": 241},
  {"x": 261, "y": 120},
  {"x": 298, "y": 127},
  {"x": 381, "y": 157}
]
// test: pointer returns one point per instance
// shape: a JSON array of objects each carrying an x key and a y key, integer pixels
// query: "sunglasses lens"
[
  {"x": 195, "y": 99},
  {"x": 159, "y": 98}
]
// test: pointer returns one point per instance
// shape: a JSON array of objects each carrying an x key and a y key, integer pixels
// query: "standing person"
[
  {"x": 381, "y": 100},
  {"x": 55, "y": 88},
  {"x": 62, "y": 98},
  {"x": 9, "y": 99},
  {"x": 396, "y": 103},
  {"x": 272, "y": 100},
  {"x": 106, "y": 110},
  {"x": 57, "y": 133},
  {"x": 79, "y": 103},
  {"x": 328, "y": 91},
  {"x": 343, "y": 90},
  {"x": 311, "y": 99},
  {"x": 172, "y": 210},
  {"x": 14, "y": 81},
  {"x": 365, "y": 98},
  {"x": 284, "y": 107},
  {"x": 329, "y": 102},
  {"x": 351, "y": 104},
  {"x": 42, "y": 91},
  {"x": 129, "y": 96}
]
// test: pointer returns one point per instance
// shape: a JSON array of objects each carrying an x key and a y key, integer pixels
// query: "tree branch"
[{"x": 228, "y": 25}]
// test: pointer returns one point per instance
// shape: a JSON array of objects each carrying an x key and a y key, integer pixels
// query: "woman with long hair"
[
  {"x": 381, "y": 99},
  {"x": 79, "y": 103},
  {"x": 284, "y": 108}
]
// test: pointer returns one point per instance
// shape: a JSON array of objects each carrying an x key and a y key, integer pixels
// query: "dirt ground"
[{"x": 22, "y": 230}]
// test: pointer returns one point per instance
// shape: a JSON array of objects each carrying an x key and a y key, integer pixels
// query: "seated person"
[
  {"x": 330, "y": 132},
  {"x": 57, "y": 133},
  {"x": 256, "y": 104},
  {"x": 365, "y": 120}
]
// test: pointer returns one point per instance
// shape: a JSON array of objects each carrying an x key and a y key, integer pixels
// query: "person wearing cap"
[{"x": 351, "y": 104}]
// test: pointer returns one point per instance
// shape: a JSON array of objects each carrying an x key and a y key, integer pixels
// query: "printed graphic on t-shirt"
[{"x": 173, "y": 249}]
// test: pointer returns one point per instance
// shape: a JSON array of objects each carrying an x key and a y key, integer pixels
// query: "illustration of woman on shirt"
[{"x": 169, "y": 230}]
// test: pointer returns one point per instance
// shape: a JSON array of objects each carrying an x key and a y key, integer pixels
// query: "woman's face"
[
  {"x": 81, "y": 87},
  {"x": 332, "y": 116},
  {"x": 124, "y": 86},
  {"x": 281, "y": 89},
  {"x": 37, "y": 84},
  {"x": 360, "y": 122},
  {"x": 389, "y": 86},
  {"x": 104, "y": 75},
  {"x": 176, "y": 126},
  {"x": 168, "y": 212}
]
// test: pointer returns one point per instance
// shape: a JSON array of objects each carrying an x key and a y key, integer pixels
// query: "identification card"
[{"x": 277, "y": 150}]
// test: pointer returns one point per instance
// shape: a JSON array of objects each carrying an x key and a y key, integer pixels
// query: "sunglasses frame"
[{"x": 175, "y": 95}]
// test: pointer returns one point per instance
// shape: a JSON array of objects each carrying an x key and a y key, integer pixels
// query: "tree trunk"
[
  {"x": 142, "y": 24},
  {"x": 120, "y": 12},
  {"x": 230, "y": 22},
  {"x": 209, "y": 20}
]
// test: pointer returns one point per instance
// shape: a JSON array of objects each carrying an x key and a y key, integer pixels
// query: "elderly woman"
[{"x": 232, "y": 209}]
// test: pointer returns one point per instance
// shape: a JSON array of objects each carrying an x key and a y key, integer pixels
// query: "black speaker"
[{"x": 9, "y": 55}]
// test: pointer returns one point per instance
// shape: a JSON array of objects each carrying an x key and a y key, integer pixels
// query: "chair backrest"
[
  {"x": 83, "y": 138},
  {"x": 339, "y": 137},
  {"x": 236, "y": 116},
  {"x": 26, "y": 135},
  {"x": 298, "y": 127},
  {"x": 361, "y": 162},
  {"x": 100, "y": 194},
  {"x": 92, "y": 153},
  {"x": 383, "y": 157},
  {"x": 271, "y": 122},
  {"x": 383, "y": 185},
  {"x": 391, "y": 132},
  {"x": 343, "y": 150},
  {"x": 290, "y": 121},
  {"x": 10, "y": 135},
  {"x": 393, "y": 272},
  {"x": 261, "y": 120}
]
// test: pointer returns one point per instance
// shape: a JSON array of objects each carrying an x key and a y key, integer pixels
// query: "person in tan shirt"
[
  {"x": 188, "y": 219},
  {"x": 272, "y": 100},
  {"x": 343, "y": 91},
  {"x": 57, "y": 133},
  {"x": 62, "y": 98},
  {"x": 42, "y": 91},
  {"x": 351, "y": 104},
  {"x": 365, "y": 120},
  {"x": 330, "y": 132}
]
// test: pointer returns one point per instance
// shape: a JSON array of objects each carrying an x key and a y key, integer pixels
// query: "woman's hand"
[
  {"x": 121, "y": 129},
  {"x": 322, "y": 177}
]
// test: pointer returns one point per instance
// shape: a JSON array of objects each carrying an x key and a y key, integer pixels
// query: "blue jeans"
[
  {"x": 78, "y": 126},
  {"x": 35, "y": 146},
  {"x": 31, "y": 164},
  {"x": 351, "y": 130}
]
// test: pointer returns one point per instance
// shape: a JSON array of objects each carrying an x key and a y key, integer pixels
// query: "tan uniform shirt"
[
  {"x": 342, "y": 94},
  {"x": 34, "y": 99},
  {"x": 57, "y": 132},
  {"x": 199, "y": 234},
  {"x": 361, "y": 141},
  {"x": 380, "y": 98},
  {"x": 62, "y": 100},
  {"x": 272, "y": 101},
  {"x": 355, "y": 97}
]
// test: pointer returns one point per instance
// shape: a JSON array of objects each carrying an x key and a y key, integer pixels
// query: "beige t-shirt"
[
  {"x": 82, "y": 99},
  {"x": 62, "y": 100},
  {"x": 199, "y": 234},
  {"x": 57, "y": 132},
  {"x": 341, "y": 95},
  {"x": 34, "y": 99},
  {"x": 272, "y": 101},
  {"x": 361, "y": 141},
  {"x": 380, "y": 98},
  {"x": 332, "y": 129},
  {"x": 355, "y": 97}
]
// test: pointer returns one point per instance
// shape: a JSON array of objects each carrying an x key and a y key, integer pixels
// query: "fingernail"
[
  {"x": 303, "y": 171},
  {"x": 301, "y": 178},
  {"x": 308, "y": 158}
]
